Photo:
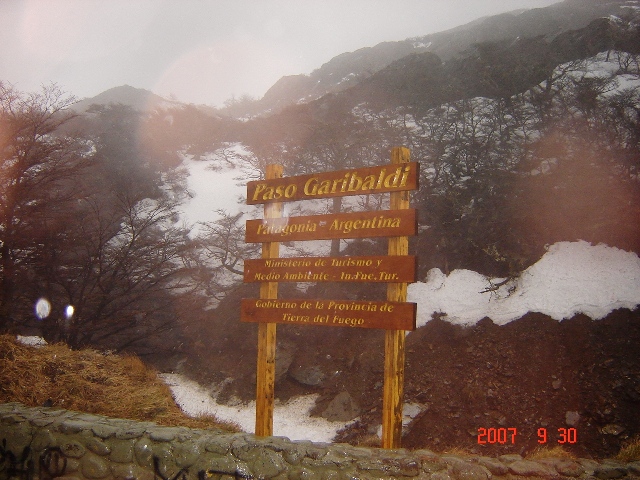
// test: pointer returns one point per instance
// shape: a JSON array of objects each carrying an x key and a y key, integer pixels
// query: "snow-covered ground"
[{"x": 290, "y": 419}]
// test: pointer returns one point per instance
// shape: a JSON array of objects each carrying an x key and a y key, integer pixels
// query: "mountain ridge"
[
  {"x": 137, "y": 98},
  {"x": 350, "y": 69}
]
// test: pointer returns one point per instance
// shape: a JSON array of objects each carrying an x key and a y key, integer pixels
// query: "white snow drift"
[{"x": 571, "y": 278}]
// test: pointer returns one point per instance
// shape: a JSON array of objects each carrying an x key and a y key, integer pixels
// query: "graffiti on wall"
[
  {"x": 16, "y": 466},
  {"x": 52, "y": 464}
]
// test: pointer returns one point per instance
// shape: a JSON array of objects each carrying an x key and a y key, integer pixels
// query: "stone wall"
[{"x": 48, "y": 443}]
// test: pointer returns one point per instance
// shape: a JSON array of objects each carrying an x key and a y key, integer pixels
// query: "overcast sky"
[{"x": 206, "y": 51}]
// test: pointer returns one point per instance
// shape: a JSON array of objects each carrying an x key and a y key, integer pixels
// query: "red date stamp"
[
  {"x": 497, "y": 435},
  {"x": 504, "y": 436}
]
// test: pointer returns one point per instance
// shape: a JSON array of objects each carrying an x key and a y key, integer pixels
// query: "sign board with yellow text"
[
  {"x": 362, "y": 181},
  {"x": 383, "y": 223},
  {"x": 332, "y": 269},
  {"x": 332, "y": 313}
]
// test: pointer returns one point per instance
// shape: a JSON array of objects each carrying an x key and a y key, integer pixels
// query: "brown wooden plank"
[
  {"x": 334, "y": 313},
  {"x": 383, "y": 223},
  {"x": 360, "y": 181},
  {"x": 332, "y": 269}
]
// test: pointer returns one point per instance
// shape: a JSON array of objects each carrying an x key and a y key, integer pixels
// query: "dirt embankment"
[{"x": 532, "y": 380}]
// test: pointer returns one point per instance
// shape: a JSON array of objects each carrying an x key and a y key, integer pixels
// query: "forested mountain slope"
[{"x": 352, "y": 68}]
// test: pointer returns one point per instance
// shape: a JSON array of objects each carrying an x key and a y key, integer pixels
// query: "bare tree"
[
  {"x": 123, "y": 261},
  {"x": 221, "y": 250},
  {"x": 342, "y": 139},
  {"x": 85, "y": 225},
  {"x": 38, "y": 169}
]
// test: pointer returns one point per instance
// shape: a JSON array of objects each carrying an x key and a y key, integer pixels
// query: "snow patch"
[
  {"x": 290, "y": 419},
  {"x": 571, "y": 278},
  {"x": 33, "y": 341},
  {"x": 422, "y": 44},
  {"x": 214, "y": 184}
]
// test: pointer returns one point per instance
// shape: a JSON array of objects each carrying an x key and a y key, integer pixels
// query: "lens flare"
[{"x": 43, "y": 308}]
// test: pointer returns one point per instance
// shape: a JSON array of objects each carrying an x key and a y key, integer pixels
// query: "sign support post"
[
  {"x": 266, "y": 367},
  {"x": 392, "y": 395}
]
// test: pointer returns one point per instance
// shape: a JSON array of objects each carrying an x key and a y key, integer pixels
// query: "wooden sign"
[
  {"x": 384, "y": 223},
  {"x": 332, "y": 313},
  {"x": 394, "y": 315},
  {"x": 332, "y": 269},
  {"x": 361, "y": 181}
]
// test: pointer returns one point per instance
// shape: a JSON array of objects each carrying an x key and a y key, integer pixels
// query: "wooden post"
[
  {"x": 392, "y": 395},
  {"x": 267, "y": 331}
]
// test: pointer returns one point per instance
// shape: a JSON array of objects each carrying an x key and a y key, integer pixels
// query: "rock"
[
  {"x": 143, "y": 452},
  {"x": 495, "y": 466},
  {"x": 104, "y": 431},
  {"x": 572, "y": 418},
  {"x": 186, "y": 454},
  {"x": 94, "y": 467},
  {"x": 73, "y": 449},
  {"x": 121, "y": 451},
  {"x": 266, "y": 462},
  {"x": 299, "y": 473},
  {"x": 308, "y": 375},
  {"x": 569, "y": 468},
  {"x": 634, "y": 467},
  {"x": 510, "y": 458},
  {"x": 612, "y": 429},
  {"x": 564, "y": 466},
  {"x": 463, "y": 470},
  {"x": 130, "y": 471},
  {"x": 441, "y": 475},
  {"x": 74, "y": 426},
  {"x": 606, "y": 472},
  {"x": 342, "y": 408},
  {"x": 165, "y": 434},
  {"x": 588, "y": 465},
  {"x": 284, "y": 357},
  {"x": 527, "y": 468},
  {"x": 97, "y": 446}
]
